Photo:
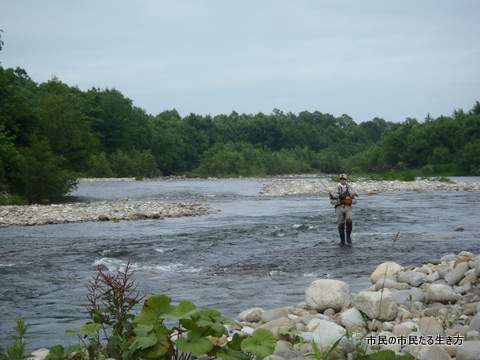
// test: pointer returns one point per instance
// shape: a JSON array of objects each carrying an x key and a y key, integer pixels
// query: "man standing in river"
[{"x": 343, "y": 197}]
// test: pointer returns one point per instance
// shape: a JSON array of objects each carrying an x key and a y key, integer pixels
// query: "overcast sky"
[{"x": 392, "y": 59}]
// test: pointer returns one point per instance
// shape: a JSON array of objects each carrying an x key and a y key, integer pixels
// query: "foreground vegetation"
[
  {"x": 161, "y": 330},
  {"x": 52, "y": 133}
]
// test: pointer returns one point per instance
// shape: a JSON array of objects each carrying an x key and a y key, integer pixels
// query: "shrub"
[
  {"x": 161, "y": 330},
  {"x": 41, "y": 174},
  {"x": 16, "y": 351},
  {"x": 7, "y": 199}
]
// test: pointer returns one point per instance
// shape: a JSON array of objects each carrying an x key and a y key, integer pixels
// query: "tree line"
[{"x": 52, "y": 133}]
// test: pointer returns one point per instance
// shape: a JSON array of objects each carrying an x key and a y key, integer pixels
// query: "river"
[{"x": 249, "y": 251}]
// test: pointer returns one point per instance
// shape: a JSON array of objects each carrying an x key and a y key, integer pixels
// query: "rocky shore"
[
  {"x": 431, "y": 312},
  {"x": 321, "y": 186},
  {"x": 96, "y": 211}
]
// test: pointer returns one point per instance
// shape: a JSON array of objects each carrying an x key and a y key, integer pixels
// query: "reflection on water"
[{"x": 264, "y": 251}]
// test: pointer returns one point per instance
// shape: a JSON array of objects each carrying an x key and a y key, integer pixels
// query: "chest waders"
[{"x": 344, "y": 216}]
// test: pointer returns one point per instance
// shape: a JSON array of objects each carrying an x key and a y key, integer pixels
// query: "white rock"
[
  {"x": 385, "y": 269},
  {"x": 313, "y": 324},
  {"x": 327, "y": 293},
  {"x": 306, "y": 336},
  {"x": 413, "y": 278},
  {"x": 375, "y": 305},
  {"x": 394, "y": 347},
  {"x": 430, "y": 326},
  {"x": 473, "y": 335},
  {"x": 404, "y": 328},
  {"x": 326, "y": 334},
  {"x": 388, "y": 326},
  {"x": 352, "y": 318},
  {"x": 457, "y": 330},
  {"x": 476, "y": 264},
  {"x": 457, "y": 273},
  {"x": 470, "y": 277},
  {"x": 448, "y": 257},
  {"x": 251, "y": 315},
  {"x": 444, "y": 268},
  {"x": 403, "y": 314},
  {"x": 433, "y": 277},
  {"x": 441, "y": 293},
  {"x": 285, "y": 350},
  {"x": 273, "y": 314},
  {"x": 39, "y": 354},
  {"x": 463, "y": 289},
  {"x": 470, "y": 350},
  {"x": 434, "y": 352},
  {"x": 389, "y": 283},
  {"x": 475, "y": 323},
  {"x": 408, "y": 297}
]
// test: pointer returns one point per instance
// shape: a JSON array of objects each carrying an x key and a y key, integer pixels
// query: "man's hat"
[{"x": 343, "y": 176}]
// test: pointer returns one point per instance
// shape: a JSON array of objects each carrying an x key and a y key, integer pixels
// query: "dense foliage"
[{"x": 52, "y": 133}]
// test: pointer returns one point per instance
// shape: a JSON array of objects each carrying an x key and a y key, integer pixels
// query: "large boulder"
[
  {"x": 470, "y": 350},
  {"x": 441, "y": 293},
  {"x": 273, "y": 314},
  {"x": 352, "y": 319},
  {"x": 385, "y": 269},
  {"x": 434, "y": 352},
  {"x": 433, "y": 277},
  {"x": 275, "y": 325},
  {"x": 408, "y": 297},
  {"x": 326, "y": 334},
  {"x": 430, "y": 326},
  {"x": 414, "y": 278},
  {"x": 284, "y": 350},
  {"x": 326, "y": 293},
  {"x": 476, "y": 264},
  {"x": 457, "y": 273},
  {"x": 390, "y": 283},
  {"x": 251, "y": 315},
  {"x": 475, "y": 323},
  {"x": 376, "y": 305}
]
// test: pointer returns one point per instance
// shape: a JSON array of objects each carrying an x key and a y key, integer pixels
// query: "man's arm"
[
  {"x": 353, "y": 193},
  {"x": 333, "y": 195}
]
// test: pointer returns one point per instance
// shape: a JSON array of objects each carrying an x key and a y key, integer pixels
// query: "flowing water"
[{"x": 249, "y": 251}]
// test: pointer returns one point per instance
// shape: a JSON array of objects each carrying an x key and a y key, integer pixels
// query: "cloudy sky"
[{"x": 393, "y": 59}]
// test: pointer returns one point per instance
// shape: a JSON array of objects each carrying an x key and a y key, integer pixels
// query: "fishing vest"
[{"x": 344, "y": 197}]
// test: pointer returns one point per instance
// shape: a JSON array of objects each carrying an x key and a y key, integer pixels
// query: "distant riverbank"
[{"x": 321, "y": 186}]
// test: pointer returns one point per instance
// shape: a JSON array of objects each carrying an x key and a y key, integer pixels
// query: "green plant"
[
  {"x": 451, "y": 316},
  {"x": 161, "y": 330},
  {"x": 16, "y": 351},
  {"x": 332, "y": 352},
  {"x": 197, "y": 332},
  {"x": 111, "y": 300},
  {"x": 58, "y": 352},
  {"x": 290, "y": 334},
  {"x": 6, "y": 199},
  {"x": 385, "y": 355}
]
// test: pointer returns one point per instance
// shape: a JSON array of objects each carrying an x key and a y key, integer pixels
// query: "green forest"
[{"x": 52, "y": 133}]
